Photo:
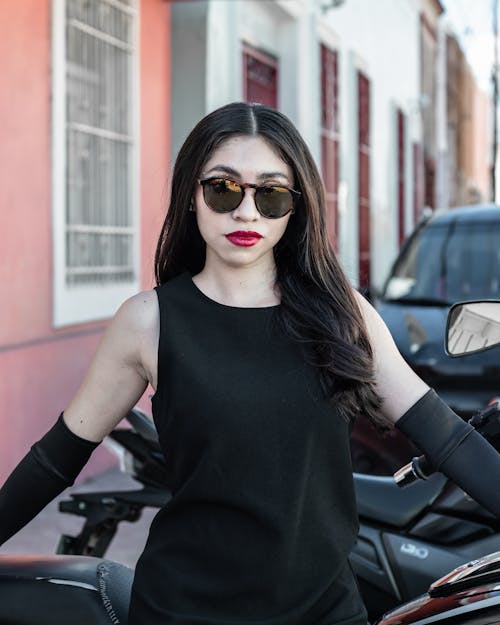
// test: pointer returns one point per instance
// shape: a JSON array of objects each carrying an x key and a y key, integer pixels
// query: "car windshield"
[{"x": 448, "y": 262}]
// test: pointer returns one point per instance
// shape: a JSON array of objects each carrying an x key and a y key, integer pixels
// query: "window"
[
  {"x": 449, "y": 261},
  {"x": 94, "y": 157}
]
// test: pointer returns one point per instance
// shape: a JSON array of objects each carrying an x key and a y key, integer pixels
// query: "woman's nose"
[{"x": 247, "y": 211}]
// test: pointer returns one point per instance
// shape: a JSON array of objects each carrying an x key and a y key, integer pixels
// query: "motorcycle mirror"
[{"x": 472, "y": 327}]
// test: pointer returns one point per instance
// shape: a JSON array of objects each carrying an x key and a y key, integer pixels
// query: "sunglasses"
[{"x": 223, "y": 196}]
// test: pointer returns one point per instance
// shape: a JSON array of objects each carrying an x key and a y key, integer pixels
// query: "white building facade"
[
  {"x": 348, "y": 77},
  {"x": 379, "y": 41}
]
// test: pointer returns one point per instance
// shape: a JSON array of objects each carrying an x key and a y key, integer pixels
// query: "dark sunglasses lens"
[
  {"x": 222, "y": 195},
  {"x": 274, "y": 202}
]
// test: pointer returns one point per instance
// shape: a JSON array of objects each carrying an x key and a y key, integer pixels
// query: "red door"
[
  {"x": 401, "y": 174},
  {"x": 364, "y": 180},
  {"x": 260, "y": 77},
  {"x": 330, "y": 137},
  {"x": 418, "y": 182},
  {"x": 430, "y": 181}
]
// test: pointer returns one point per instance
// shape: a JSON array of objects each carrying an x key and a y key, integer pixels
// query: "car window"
[{"x": 449, "y": 261}]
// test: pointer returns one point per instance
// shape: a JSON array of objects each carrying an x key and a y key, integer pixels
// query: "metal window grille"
[{"x": 100, "y": 59}]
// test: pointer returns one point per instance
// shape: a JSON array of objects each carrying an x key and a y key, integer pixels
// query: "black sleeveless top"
[{"x": 263, "y": 514}]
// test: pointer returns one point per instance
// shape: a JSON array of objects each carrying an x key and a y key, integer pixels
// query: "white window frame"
[{"x": 85, "y": 303}]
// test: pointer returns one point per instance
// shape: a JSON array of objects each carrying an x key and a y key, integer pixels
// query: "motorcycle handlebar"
[{"x": 418, "y": 469}]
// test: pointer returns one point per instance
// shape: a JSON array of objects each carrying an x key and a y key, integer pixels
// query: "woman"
[{"x": 261, "y": 355}]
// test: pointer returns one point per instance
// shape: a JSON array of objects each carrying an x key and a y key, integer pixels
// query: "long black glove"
[
  {"x": 454, "y": 448},
  {"x": 51, "y": 465}
]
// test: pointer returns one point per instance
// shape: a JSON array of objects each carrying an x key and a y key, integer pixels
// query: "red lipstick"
[{"x": 243, "y": 238}]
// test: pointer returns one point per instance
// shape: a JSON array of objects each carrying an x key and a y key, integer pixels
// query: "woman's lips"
[{"x": 243, "y": 238}]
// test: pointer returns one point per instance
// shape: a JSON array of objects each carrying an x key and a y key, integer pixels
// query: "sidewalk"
[{"x": 42, "y": 534}]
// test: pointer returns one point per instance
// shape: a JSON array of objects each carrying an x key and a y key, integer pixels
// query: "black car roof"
[{"x": 471, "y": 213}]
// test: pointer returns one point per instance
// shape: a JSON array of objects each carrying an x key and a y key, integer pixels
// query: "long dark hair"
[{"x": 318, "y": 308}]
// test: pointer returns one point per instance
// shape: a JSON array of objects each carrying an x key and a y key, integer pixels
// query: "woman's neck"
[{"x": 242, "y": 286}]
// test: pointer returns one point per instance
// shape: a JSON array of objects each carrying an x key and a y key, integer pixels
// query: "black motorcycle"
[{"x": 407, "y": 537}]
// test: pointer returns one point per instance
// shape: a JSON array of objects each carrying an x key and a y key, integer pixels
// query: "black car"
[{"x": 452, "y": 256}]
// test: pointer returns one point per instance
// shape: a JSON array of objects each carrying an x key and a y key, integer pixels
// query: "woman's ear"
[{"x": 191, "y": 206}]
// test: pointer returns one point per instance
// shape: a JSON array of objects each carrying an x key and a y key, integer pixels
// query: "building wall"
[
  {"x": 431, "y": 10},
  {"x": 395, "y": 43},
  {"x": 291, "y": 31},
  {"x": 207, "y": 44},
  {"x": 25, "y": 270},
  {"x": 474, "y": 150},
  {"x": 467, "y": 159},
  {"x": 189, "y": 68},
  {"x": 465, "y": 143},
  {"x": 455, "y": 107},
  {"x": 287, "y": 31},
  {"x": 481, "y": 144},
  {"x": 374, "y": 37},
  {"x": 41, "y": 368},
  {"x": 155, "y": 111}
]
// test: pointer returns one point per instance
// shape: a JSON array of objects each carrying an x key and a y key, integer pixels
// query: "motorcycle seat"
[
  {"x": 63, "y": 589},
  {"x": 142, "y": 424},
  {"x": 380, "y": 499}
]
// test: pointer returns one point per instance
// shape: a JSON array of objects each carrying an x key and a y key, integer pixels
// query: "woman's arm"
[
  {"x": 124, "y": 364},
  {"x": 451, "y": 444},
  {"x": 397, "y": 384}
]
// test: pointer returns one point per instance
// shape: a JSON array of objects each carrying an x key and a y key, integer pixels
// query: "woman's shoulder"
[
  {"x": 138, "y": 315},
  {"x": 373, "y": 321},
  {"x": 142, "y": 309},
  {"x": 137, "y": 327},
  {"x": 368, "y": 311},
  {"x": 142, "y": 303}
]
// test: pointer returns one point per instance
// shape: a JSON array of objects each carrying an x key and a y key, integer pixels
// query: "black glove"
[
  {"x": 454, "y": 448},
  {"x": 51, "y": 465}
]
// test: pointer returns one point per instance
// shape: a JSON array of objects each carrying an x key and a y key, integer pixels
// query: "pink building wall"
[
  {"x": 25, "y": 269},
  {"x": 41, "y": 368},
  {"x": 482, "y": 148}
]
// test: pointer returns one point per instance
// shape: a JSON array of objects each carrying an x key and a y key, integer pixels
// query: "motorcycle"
[
  {"x": 139, "y": 454},
  {"x": 470, "y": 594},
  {"x": 56, "y": 590},
  {"x": 406, "y": 538}
]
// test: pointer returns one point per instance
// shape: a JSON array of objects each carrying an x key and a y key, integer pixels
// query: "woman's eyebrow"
[
  {"x": 225, "y": 169},
  {"x": 233, "y": 172},
  {"x": 272, "y": 174}
]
